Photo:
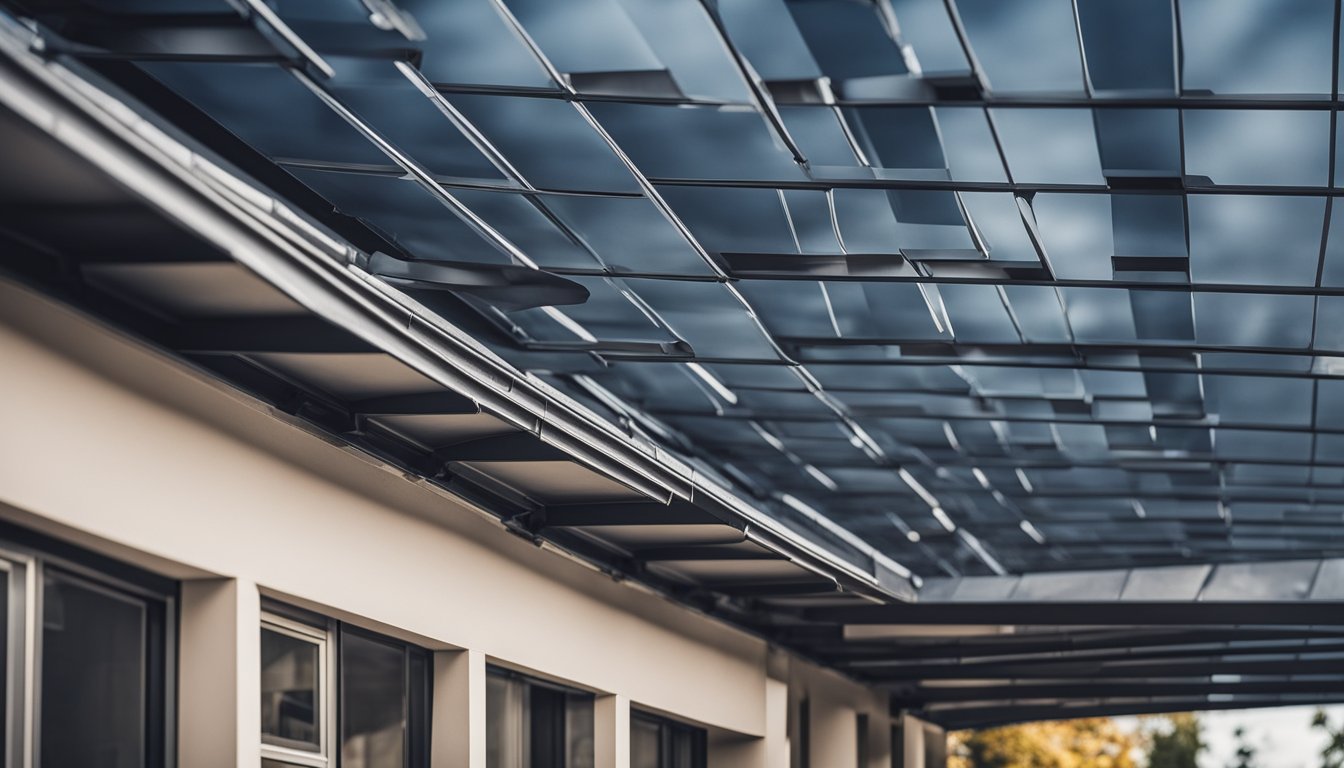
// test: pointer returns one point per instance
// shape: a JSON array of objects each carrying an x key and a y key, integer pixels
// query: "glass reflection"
[
  {"x": 1024, "y": 46},
  {"x": 534, "y": 725},
  {"x": 1257, "y": 46},
  {"x": 94, "y": 646},
  {"x": 290, "y": 713},
  {"x": 373, "y": 703}
]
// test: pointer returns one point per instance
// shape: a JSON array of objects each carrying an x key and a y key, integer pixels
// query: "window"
[
  {"x": 321, "y": 677},
  {"x": 804, "y": 734},
  {"x": 84, "y": 663},
  {"x": 657, "y": 742},
  {"x": 897, "y": 745},
  {"x": 535, "y": 724},
  {"x": 861, "y": 735}
]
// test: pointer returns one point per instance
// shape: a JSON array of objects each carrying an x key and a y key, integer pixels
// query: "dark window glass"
[
  {"x": 374, "y": 703},
  {"x": 897, "y": 746},
  {"x": 861, "y": 739},
  {"x": 385, "y": 702},
  {"x": 290, "y": 714},
  {"x": 656, "y": 742},
  {"x": 804, "y": 734},
  {"x": 95, "y": 676},
  {"x": 530, "y": 724},
  {"x": 4, "y": 667},
  {"x": 645, "y": 746}
]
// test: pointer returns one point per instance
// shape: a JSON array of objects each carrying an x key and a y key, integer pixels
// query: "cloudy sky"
[{"x": 1283, "y": 738}]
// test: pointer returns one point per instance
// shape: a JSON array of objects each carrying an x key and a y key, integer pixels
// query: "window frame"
[
  {"x": 551, "y": 686},
  {"x": 25, "y": 558},
  {"x": 668, "y": 728},
  {"x": 324, "y": 638},
  {"x": 327, "y": 633},
  {"x": 419, "y": 691}
]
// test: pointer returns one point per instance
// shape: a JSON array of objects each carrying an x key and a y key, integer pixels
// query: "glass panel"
[
  {"x": 1257, "y": 46},
  {"x": 809, "y": 215},
  {"x": 1049, "y": 146},
  {"x": 94, "y": 644},
  {"x": 709, "y": 316},
  {"x": 733, "y": 220},
  {"x": 579, "y": 734},
  {"x": 290, "y": 710},
  {"x": 245, "y": 99},
  {"x": 373, "y": 703},
  {"x": 404, "y": 212},
  {"x": 645, "y": 744},
  {"x": 998, "y": 220},
  {"x": 687, "y": 749},
  {"x": 688, "y": 45},
  {"x": 539, "y": 725},
  {"x": 1028, "y": 45},
  {"x": 969, "y": 144},
  {"x": 1332, "y": 271},
  {"x": 847, "y": 39},
  {"x": 899, "y": 137},
  {"x": 791, "y": 308},
  {"x": 866, "y": 221},
  {"x": 568, "y": 155},
  {"x": 1139, "y": 142},
  {"x": 628, "y": 234},
  {"x": 1242, "y": 399},
  {"x": 473, "y": 44},
  {"x": 1255, "y": 240},
  {"x": 682, "y": 142},
  {"x": 977, "y": 314},
  {"x": 507, "y": 742},
  {"x": 1077, "y": 235},
  {"x": 1039, "y": 313},
  {"x": 766, "y": 34},
  {"x": 821, "y": 137},
  {"x": 1329, "y": 324},
  {"x": 1099, "y": 314},
  {"x": 387, "y": 101},
  {"x": 585, "y": 35},
  {"x": 927, "y": 29},
  {"x": 5, "y": 584},
  {"x": 1149, "y": 225},
  {"x": 1258, "y": 147},
  {"x": 1129, "y": 45}
]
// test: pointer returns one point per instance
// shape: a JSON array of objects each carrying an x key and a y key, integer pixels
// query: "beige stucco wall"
[
  {"x": 835, "y": 702},
  {"x": 82, "y": 452}
]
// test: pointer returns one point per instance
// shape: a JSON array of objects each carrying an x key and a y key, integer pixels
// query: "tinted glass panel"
[
  {"x": 659, "y": 743},
  {"x": 531, "y": 725},
  {"x": 373, "y": 703},
  {"x": 289, "y": 691},
  {"x": 644, "y": 744},
  {"x": 94, "y": 644}
]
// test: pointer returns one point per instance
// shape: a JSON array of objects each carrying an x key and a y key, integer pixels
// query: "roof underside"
[
  {"x": 1040, "y": 267},
  {"x": 974, "y": 287}
]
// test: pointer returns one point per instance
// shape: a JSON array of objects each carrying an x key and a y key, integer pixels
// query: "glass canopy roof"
[{"x": 998, "y": 287}]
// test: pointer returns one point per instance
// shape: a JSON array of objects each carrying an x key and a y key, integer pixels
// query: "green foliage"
[
  {"x": 1086, "y": 743},
  {"x": 1332, "y": 756},
  {"x": 1245, "y": 755},
  {"x": 1179, "y": 744}
]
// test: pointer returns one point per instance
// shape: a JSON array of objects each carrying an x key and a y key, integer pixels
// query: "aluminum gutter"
[{"x": 317, "y": 270}]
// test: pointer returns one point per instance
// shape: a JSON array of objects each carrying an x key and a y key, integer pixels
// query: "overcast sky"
[{"x": 1284, "y": 737}]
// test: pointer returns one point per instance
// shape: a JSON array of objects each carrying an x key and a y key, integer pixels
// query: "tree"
[
  {"x": 1087, "y": 743},
  {"x": 1245, "y": 755},
  {"x": 1179, "y": 745},
  {"x": 1332, "y": 756}
]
